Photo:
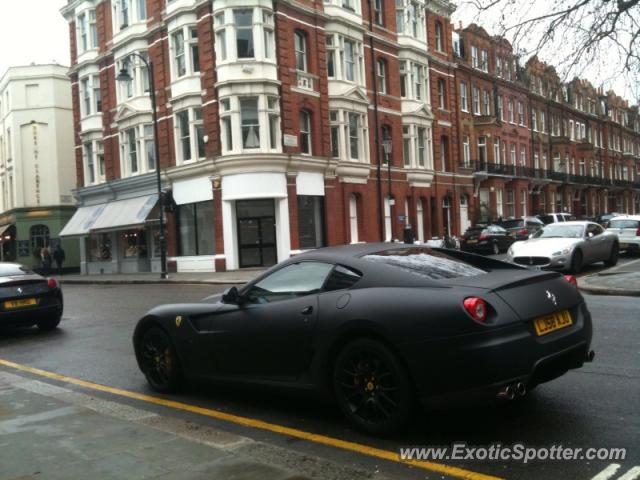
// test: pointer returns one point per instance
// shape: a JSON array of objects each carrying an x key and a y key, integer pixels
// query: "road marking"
[
  {"x": 259, "y": 424},
  {"x": 631, "y": 474},
  {"x": 608, "y": 472}
]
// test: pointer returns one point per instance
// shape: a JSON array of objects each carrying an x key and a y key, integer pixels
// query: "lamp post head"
[
  {"x": 123, "y": 75},
  {"x": 387, "y": 145}
]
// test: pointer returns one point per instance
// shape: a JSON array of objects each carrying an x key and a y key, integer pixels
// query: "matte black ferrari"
[
  {"x": 380, "y": 327},
  {"x": 28, "y": 299}
]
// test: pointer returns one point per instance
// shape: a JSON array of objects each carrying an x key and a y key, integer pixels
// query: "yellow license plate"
[
  {"x": 23, "y": 302},
  {"x": 550, "y": 323},
  {"x": 472, "y": 241}
]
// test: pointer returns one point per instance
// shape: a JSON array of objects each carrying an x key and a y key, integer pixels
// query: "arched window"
[
  {"x": 300, "y": 46},
  {"x": 305, "y": 132},
  {"x": 39, "y": 235},
  {"x": 353, "y": 218},
  {"x": 442, "y": 98},
  {"x": 439, "y": 37},
  {"x": 381, "y": 74}
]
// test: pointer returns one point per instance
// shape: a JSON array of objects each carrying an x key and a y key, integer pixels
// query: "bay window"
[
  {"x": 244, "y": 33},
  {"x": 93, "y": 157},
  {"x": 189, "y": 135},
  {"x": 128, "y": 12},
  {"x": 184, "y": 47},
  {"x": 413, "y": 81},
  {"x": 91, "y": 99},
  {"x": 417, "y": 146},
  {"x": 83, "y": 40},
  {"x": 349, "y": 135},
  {"x": 344, "y": 59},
  {"x": 410, "y": 19},
  {"x": 250, "y": 123},
  {"x": 138, "y": 85}
]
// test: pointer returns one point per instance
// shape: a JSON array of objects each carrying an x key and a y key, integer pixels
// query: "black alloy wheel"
[
  {"x": 372, "y": 388},
  {"x": 613, "y": 256},
  {"x": 159, "y": 361},
  {"x": 576, "y": 261}
]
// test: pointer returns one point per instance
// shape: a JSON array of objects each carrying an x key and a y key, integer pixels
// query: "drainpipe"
[{"x": 377, "y": 133}]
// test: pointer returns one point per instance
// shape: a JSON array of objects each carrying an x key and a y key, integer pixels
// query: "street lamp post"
[
  {"x": 123, "y": 76},
  {"x": 386, "y": 146}
]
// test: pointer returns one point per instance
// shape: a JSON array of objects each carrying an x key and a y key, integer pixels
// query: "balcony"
[
  {"x": 585, "y": 146},
  {"x": 560, "y": 140},
  {"x": 306, "y": 81},
  {"x": 480, "y": 120}
]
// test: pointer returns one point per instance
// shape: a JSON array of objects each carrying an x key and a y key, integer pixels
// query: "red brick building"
[{"x": 292, "y": 124}]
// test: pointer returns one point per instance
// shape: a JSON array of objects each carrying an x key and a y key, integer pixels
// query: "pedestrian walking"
[
  {"x": 59, "y": 258},
  {"x": 45, "y": 256}
]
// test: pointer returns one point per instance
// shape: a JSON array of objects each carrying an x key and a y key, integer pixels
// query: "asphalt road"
[{"x": 596, "y": 406}]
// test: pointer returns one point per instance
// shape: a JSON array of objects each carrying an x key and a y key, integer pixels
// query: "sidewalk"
[
  {"x": 54, "y": 433},
  {"x": 209, "y": 278},
  {"x": 622, "y": 280}
]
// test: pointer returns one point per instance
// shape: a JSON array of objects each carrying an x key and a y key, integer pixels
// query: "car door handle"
[{"x": 307, "y": 310}]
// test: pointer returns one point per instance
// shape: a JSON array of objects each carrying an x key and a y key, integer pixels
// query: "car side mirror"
[{"x": 231, "y": 295}]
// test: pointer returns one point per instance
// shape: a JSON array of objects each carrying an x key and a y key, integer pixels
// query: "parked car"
[
  {"x": 521, "y": 228},
  {"x": 603, "y": 219},
  {"x": 28, "y": 299},
  {"x": 491, "y": 239},
  {"x": 365, "y": 324},
  {"x": 548, "y": 218},
  {"x": 567, "y": 246},
  {"x": 627, "y": 228}
]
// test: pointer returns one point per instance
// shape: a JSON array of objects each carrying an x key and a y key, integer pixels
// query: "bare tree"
[{"x": 599, "y": 38}]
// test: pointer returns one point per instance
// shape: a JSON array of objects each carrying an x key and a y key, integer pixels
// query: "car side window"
[
  {"x": 597, "y": 229},
  {"x": 292, "y": 281},
  {"x": 341, "y": 278},
  {"x": 593, "y": 230}
]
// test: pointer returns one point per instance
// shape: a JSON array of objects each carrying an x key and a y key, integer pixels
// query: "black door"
[
  {"x": 268, "y": 334},
  {"x": 256, "y": 233}
]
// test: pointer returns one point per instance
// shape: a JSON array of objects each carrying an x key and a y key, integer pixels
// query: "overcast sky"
[{"x": 34, "y": 31}]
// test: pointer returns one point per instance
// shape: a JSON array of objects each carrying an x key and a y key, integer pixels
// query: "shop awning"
[
  {"x": 129, "y": 213},
  {"x": 82, "y": 220}
]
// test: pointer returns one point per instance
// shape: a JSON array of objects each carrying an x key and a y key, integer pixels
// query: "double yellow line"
[{"x": 259, "y": 424}]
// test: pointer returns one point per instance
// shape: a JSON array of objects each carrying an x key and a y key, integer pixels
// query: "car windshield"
[
  {"x": 512, "y": 223},
  {"x": 425, "y": 262},
  {"x": 11, "y": 269},
  {"x": 559, "y": 230},
  {"x": 615, "y": 223}
]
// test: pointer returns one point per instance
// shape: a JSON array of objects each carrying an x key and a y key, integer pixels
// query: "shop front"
[{"x": 119, "y": 236}]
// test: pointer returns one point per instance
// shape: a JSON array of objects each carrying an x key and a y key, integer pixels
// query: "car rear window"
[
  {"x": 425, "y": 262},
  {"x": 10, "y": 269},
  {"x": 624, "y": 224},
  {"x": 512, "y": 223}
]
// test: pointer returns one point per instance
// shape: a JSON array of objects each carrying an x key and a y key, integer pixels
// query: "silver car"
[{"x": 566, "y": 246}]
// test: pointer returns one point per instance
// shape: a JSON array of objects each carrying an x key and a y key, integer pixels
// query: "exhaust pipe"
[
  {"x": 521, "y": 389},
  {"x": 590, "y": 356},
  {"x": 507, "y": 393}
]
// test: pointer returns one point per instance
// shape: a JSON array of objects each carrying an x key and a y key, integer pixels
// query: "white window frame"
[
  {"x": 189, "y": 53},
  {"x": 90, "y": 95},
  {"x": 194, "y": 135},
  {"x": 269, "y": 130},
  {"x": 476, "y": 100},
  {"x": 133, "y": 15},
  {"x": 139, "y": 84},
  {"x": 337, "y": 54},
  {"x": 466, "y": 151},
  {"x": 226, "y": 34},
  {"x": 474, "y": 57},
  {"x": 464, "y": 100}
]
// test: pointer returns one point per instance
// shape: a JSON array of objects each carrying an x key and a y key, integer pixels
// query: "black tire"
[
  {"x": 375, "y": 406},
  {"x": 576, "y": 262},
  {"x": 495, "y": 248},
  {"x": 49, "y": 324},
  {"x": 613, "y": 256},
  {"x": 159, "y": 361}
]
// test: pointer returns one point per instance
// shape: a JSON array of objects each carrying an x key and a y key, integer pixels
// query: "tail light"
[
  {"x": 477, "y": 308},
  {"x": 572, "y": 280},
  {"x": 52, "y": 283},
  {"x": 523, "y": 231},
  {"x": 638, "y": 232},
  {"x": 483, "y": 236}
]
